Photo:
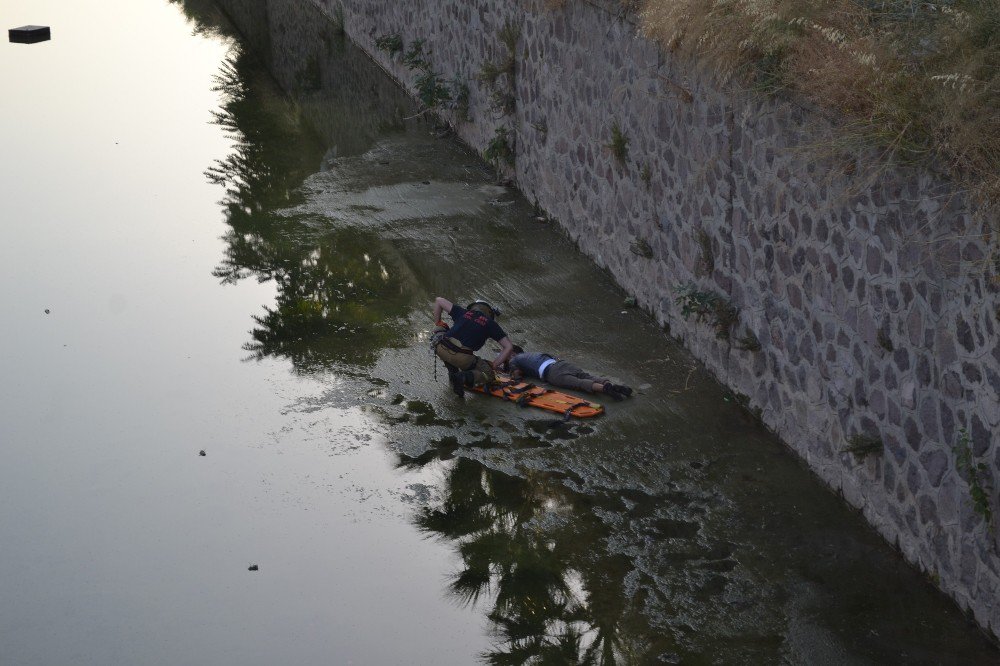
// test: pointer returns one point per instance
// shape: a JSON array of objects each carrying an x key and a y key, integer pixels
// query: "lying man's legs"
[{"x": 567, "y": 375}]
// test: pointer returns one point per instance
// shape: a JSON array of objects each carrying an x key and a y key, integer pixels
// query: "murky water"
[{"x": 236, "y": 240}]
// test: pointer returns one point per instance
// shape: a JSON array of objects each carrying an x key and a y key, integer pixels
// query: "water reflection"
[
  {"x": 534, "y": 553},
  {"x": 339, "y": 292}
]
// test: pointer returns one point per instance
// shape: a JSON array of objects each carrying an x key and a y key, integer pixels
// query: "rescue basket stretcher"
[{"x": 526, "y": 394}]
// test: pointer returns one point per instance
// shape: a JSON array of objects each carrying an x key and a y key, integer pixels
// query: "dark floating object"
[
  {"x": 202, "y": 452},
  {"x": 29, "y": 34},
  {"x": 47, "y": 311},
  {"x": 252, "y": 567}
]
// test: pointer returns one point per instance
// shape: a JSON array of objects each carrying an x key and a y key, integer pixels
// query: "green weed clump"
[
  {"x": 391, "y": 44},
  {"x": 415, "y": 58},
  {"x": 861, "y": 446},
  {"x": 618, "y": 145},
  {"x": 498, "y": 75},
  {"x": 708, "y": 306},
  {"x": 976, "y": 474},
  {"x": 919, "y": 79},
  {"x": 500, "y": 151},
  {"x": 431, "y": 90}
]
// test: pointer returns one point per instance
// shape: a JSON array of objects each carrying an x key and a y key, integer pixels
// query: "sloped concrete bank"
[{"x": 853, "y": 304}]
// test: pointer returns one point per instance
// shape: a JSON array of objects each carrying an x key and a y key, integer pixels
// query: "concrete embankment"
[{"x": 854, "y": 304}]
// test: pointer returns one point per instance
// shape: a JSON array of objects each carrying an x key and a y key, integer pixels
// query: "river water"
[{"x": 222, "y": 232}]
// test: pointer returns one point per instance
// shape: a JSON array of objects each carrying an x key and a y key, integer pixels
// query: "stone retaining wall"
[{"x": 870, "y": 291}]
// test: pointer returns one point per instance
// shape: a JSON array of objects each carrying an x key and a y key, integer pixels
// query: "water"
[{"x": 237, "y": 239}]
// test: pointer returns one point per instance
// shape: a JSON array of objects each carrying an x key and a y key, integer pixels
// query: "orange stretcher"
[{"x": 525, "y": 394}]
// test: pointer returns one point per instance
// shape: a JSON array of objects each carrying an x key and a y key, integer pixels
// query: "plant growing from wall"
[
  {"x": 861, "y": 446},
  {"x": 641, "y": 248},
  {"x": 499, "y": 151},
  {"x": 432, "y": 90},
  {"x": 618, "y": 145},
  {"x": 646, "y": 175},
  {"x": 391, "y": 44},
  {"x": 499, "y": 75},
  {"x": 749, "y": 342},
  {"x": 415, "y": 58},
  {"x": 708, "y": 306},
  {"x": 975, "y": 475}
]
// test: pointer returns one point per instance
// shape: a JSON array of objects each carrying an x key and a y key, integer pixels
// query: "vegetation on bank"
[{"x": 920, "y": 79}]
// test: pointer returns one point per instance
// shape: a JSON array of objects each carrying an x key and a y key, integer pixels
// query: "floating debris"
[
  {"x": 47, "y": 311},
  {"x": 29, "y": 34},
  {"x": 253, "y": 567},
  {"x": 202, "y": 453}
]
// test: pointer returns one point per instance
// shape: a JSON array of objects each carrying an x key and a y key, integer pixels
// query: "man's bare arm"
[
  {"x": 506, "y": 351},
  {"x": 441, "y": 305}
]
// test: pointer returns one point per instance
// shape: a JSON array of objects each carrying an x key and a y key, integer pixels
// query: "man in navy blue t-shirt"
[{"x": 457, "y": 344}]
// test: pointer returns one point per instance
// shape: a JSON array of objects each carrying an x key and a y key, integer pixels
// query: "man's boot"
[
  {"x": 612, "y": 391},
  {"x": 457, "y": 382}
]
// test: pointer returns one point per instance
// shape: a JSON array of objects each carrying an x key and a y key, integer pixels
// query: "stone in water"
[{"x": 29, "y": 34}]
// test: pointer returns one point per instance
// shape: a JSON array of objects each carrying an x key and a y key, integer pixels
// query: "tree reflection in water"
[
  {"x": 339, "y": 293},
  {"x": 536, "y": 550}
]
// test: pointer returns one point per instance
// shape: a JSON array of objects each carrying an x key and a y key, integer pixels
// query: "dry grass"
[{"x": 921, "y": 79}]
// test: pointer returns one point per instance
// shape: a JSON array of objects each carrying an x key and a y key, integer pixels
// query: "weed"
[
  {"x": 710, "y": 306},
  {"x": 490, "y": 72},
  {"x": 749, "y": 342},
  {"x": 391, "y": 44},
  {"x": 499, "y": 150},
  {"x": 415, "y": 58},
  {"x": 502, "y": 101},
  {"x": 861, "y": 446},
  {"x": 509, "y": 34},
  {"x": 641, "y": 248},
  {"x": 619, "y": 144},
  {"x": 646, "y": 175},
  {"x": 975, "y": 473},
  {"x": 432, "y": 90},
  {"x": 499, "y": 75}
]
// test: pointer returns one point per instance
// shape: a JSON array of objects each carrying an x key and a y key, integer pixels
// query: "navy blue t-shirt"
[{"x": 472, "y": 327}]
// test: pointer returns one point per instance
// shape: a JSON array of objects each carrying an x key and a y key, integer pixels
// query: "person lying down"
[{"x": 561, "y": 373}]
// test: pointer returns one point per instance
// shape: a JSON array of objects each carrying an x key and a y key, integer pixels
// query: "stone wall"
[{"x": 867, "y": 296}]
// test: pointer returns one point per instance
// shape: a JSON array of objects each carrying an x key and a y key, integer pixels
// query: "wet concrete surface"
[{"x": 284, "y": 331}]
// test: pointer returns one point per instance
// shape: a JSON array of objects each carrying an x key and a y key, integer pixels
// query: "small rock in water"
[
  {"x": 202, "y": 453},
  {"x": 252, "y": 567}
]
